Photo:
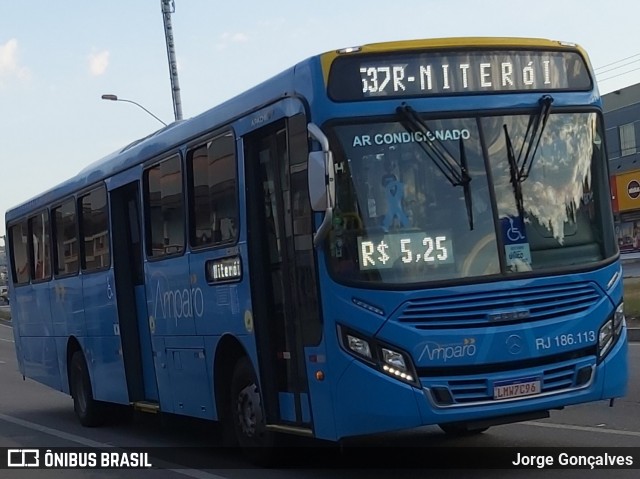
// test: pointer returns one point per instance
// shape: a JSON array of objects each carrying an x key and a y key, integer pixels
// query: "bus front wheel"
[
  {"x": 86, "y": 408},
  {"x": 247, "y": 414}
]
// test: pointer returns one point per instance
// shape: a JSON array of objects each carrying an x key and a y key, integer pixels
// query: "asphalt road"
[{"x": 32, "y": 415}]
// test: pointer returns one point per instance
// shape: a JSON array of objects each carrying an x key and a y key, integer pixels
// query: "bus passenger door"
[
  {"x": 277, "y": 289},
  {"x": 130, "y": 294}
]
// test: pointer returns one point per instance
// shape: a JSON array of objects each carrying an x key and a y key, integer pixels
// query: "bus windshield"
[{"x": 443, "y": 202}]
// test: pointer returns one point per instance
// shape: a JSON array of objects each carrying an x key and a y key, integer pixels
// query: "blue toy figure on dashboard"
[{"x": 395, "y": 195}]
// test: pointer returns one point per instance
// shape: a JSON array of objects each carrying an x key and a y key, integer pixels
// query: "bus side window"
[
  {"x": 212, "y": 192},
  {"x": 21, "y": 266},
  {"x": 94, "y": 223},
  {"x": 65, "y": 234},
  {"x": 164, "y": 208},
  {"x": 40, "y": 236}
]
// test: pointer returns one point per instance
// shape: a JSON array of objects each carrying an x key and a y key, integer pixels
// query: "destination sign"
[
  {"x": 224, "y": 270},
  {"x": 396, "y": 75}
]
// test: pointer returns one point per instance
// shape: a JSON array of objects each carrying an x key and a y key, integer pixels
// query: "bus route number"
[{"x": 376, "y": 79}]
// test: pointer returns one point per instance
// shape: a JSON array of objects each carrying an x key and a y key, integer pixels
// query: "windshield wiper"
[
  {"x": 537, "y": 124},
  {"x": 456, "y": 173},
  {"x": 465, "y": 184},
  {"x": 514, "y": 173},
  {"x": 520, "y": 168}
]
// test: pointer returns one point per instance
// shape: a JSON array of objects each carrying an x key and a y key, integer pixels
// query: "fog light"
[
  {"x": 442, "y": 395},
  {"x": 583, "y": 376}
]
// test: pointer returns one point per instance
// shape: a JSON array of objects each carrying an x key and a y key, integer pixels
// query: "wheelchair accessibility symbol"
[
  {"x": 513, "y": 232},
  {"x": 109, "y": 290},
  {"x": 516, "y": 246}
]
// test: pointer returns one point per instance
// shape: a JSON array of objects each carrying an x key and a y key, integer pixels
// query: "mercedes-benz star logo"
[{"x": 514, "y": 344}]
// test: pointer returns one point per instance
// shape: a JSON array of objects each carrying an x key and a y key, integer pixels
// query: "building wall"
[{"x": 622, "y": 112}]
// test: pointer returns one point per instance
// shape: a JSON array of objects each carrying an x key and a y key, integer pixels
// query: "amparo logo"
[
  {"x": 178, "y": 303},
  {"x": 444, "y": 352}
]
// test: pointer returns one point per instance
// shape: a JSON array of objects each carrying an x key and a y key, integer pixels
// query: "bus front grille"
[{"x": 499, "y": 307}]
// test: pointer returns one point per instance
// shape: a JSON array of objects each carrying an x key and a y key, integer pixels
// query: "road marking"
[
  {"x": 90, "y": 443},
  {"x": 9, "y": 327},
  {"x": 582, "y": 428}
]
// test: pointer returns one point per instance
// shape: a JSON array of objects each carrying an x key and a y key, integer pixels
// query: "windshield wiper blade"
[
  {"x": 514, "y": 173},
  {"x": 466, "y": 184},
  {"x": 539, "y": 122},
  {"x": 441, "y": 157},
  {"x": 519, "y": 170},
  {"x": 456, "y": 173}
]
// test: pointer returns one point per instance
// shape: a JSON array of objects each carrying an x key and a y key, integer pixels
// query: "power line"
[
  {"x": 601, "y": 69},
  {"x": 618, "y": 61},
  {"x": 600, "y": 80},
  {"x": 617, "y": 68}
]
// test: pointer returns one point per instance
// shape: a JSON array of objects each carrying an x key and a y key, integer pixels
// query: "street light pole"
[
  {"x": 171, "y": 54},
  {"x": 115, "y": 98}
]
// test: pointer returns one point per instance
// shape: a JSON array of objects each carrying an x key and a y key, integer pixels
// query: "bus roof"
[{"x": 279, "y": 86}]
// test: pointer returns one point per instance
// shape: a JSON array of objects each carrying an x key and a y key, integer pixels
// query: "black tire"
[
  {"x": 460, "y": 429},
  {"x": 89, "y": 411},
  {"x": 247, "y": 415}
]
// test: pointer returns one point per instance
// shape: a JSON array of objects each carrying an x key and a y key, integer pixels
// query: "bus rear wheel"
[
  {"x": 247, "y": 415},
  {"x": 88, "y": 410},
  {"x": 461, "y": 429}
]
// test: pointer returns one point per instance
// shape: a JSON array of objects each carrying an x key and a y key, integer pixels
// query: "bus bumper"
[{"x": 369, "y": 402}]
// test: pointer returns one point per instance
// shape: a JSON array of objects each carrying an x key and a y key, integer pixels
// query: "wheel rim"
[{"x": 248, "y": 412}]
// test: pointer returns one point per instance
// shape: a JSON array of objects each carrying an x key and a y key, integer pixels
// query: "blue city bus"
[{"x": 376, "y": 239}]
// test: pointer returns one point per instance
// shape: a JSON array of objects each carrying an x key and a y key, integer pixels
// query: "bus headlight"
[
  {"x": 358, "y": 346},
  {"x": 395, "y": 364},
  {"x": 393, "y": 359},
  {"x": 383, "y": 357},
  {"x": 618, "y": 320},
  {"x": 610, "y": 331}
]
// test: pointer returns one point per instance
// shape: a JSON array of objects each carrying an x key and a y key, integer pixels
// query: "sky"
[{"x": 58, "y": 58}]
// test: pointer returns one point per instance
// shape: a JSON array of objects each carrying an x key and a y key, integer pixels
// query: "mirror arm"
[
  {"x": 323, "y": 231},
  {"x": 317, "y": 134}
]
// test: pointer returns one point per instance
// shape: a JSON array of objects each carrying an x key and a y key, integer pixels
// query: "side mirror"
[
  {"x": 322, "y": 188},
  {"x": 321, "y": 172},
  {"x": 317, "y": 172}
]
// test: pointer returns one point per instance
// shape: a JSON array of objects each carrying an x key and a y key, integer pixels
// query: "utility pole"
[{"x": 168, "y": 7}]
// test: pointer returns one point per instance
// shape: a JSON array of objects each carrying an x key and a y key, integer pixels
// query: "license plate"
[{"x": 514, "y": 388}]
